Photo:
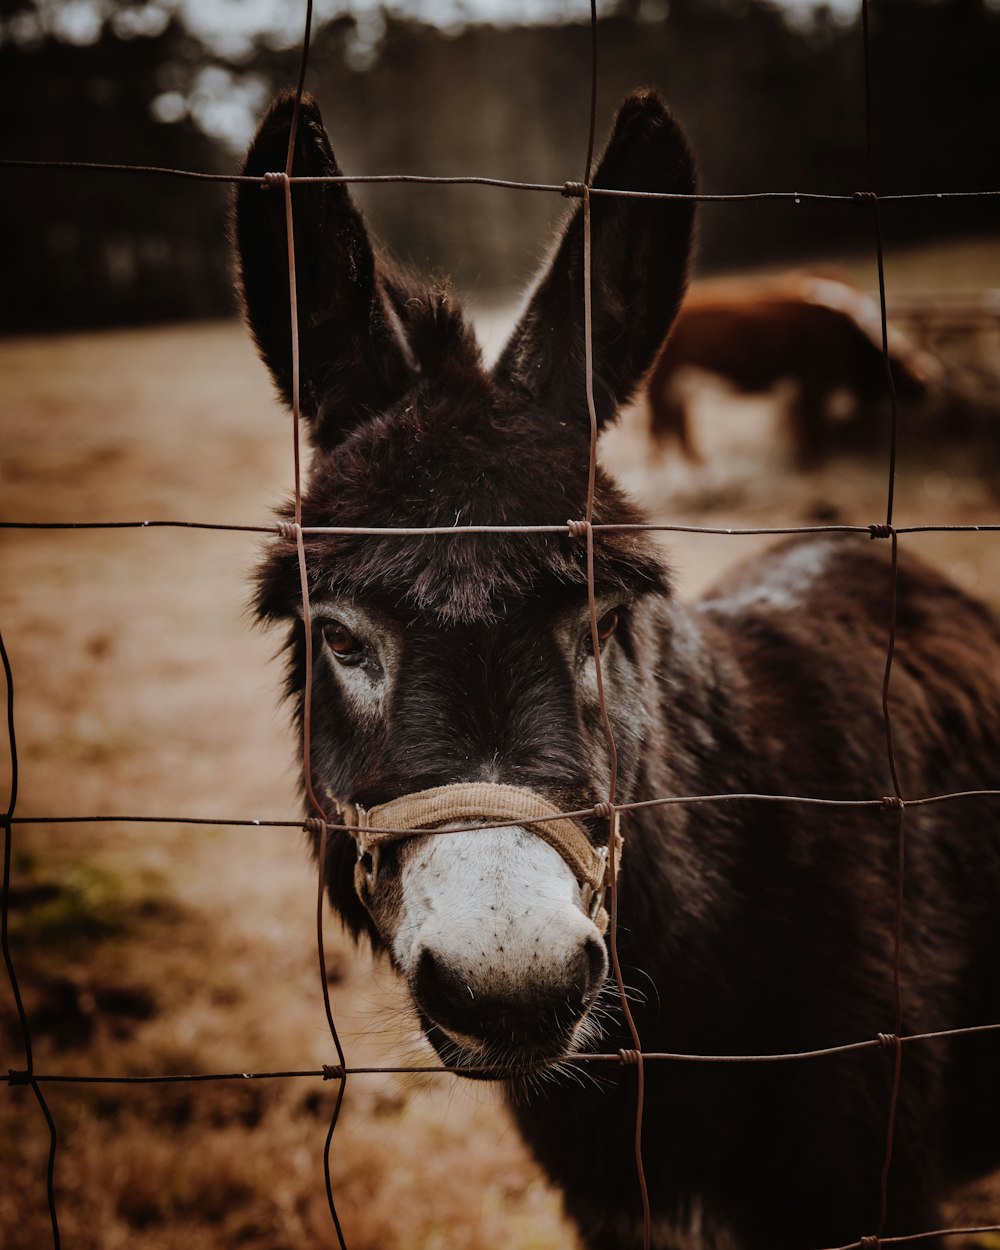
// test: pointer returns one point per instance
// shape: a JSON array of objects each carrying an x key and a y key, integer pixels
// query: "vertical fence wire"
[
  {"x": 614, "y": 816},
  {"x": 307, "y": 775},
  {"x": 27, "y": 1076},
  {"x": 900, "y": 804}
]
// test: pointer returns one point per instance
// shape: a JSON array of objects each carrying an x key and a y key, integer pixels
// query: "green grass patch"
[{"x": 84, "y": 904}]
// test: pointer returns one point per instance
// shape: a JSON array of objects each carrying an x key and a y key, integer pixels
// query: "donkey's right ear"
[{"x": 353, "y": 353}]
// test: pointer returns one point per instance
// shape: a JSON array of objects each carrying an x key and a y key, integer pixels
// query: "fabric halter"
[{"x": 404, "y": 817}]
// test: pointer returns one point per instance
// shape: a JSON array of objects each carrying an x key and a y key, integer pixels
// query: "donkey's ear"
[
  {"x": 353, "y": 353},
  {"x": 639, "y": 259}
]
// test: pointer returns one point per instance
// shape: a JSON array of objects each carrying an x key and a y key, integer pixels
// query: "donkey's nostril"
[
  {"x": 595, "y": 960},
  {"x": 441, "y": 993}
]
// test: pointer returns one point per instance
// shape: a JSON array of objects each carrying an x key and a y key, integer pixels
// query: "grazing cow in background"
[
  {"x": 455, "y": 685},
  {"x": 816, "y": 331}
]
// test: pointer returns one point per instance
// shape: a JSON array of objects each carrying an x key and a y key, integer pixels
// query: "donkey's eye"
[
  {"x": 606, "y": 626},
  {"x": 345, "y": 647}
]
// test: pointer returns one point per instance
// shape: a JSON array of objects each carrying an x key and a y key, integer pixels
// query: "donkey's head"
[{"x": 451, "y": 659}]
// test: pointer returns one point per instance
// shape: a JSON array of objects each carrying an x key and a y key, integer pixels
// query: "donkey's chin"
[{"x": 500, "y": 1059}]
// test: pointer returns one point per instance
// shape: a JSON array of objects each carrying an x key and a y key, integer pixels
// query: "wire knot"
[
  {"x": 577, "y": 529},
  {"x": 333, "y": 1072},
  {"x": 893, "y": 801},
  {"x": 287, "y": 529},
  {"x": 573, "y": 190},
  {"x": 604, "y": 811},
  {"x": 865, "y": 197},
  {"x": 315, "y": 825},
  {"x": 886, "y": 1041},
  {"x": 270, "y": 182},
  {"x": 880, "y": 531},
  {"x": 17, "y": 1077},
  {"x": 869, "y": 1243},
  {"x": 629, "y": 1058}
]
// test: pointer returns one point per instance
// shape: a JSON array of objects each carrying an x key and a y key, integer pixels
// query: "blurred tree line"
[{"x": 770, "y": 103}]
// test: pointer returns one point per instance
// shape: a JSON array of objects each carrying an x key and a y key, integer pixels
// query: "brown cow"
[{"x": 818, "y": 331}]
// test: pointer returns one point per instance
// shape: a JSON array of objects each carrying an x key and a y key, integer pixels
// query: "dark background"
[{"x": 772, "y": 102}]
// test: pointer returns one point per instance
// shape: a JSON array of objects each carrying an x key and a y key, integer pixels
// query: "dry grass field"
[{"x": 142, "y": 688}]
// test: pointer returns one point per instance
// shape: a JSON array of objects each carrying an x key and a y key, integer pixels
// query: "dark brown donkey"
[{"x": 458, "y": 666}]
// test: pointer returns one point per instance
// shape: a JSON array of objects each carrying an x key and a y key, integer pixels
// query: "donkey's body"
[
  {"x": 752, "y": 928},
  {"x": 744, "y": 927}
]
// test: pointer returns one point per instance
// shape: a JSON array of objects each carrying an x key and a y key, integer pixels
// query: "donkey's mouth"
[
  {"x": 493, "y": 1032},
  {"x": 503, "y": 1057}
]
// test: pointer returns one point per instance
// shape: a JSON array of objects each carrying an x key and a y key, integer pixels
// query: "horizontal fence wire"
[
  {"x": 599, "y": 811},
  {"x": 328, "y": 1072},
  {"x": 585, "y": 528},
  {"x": 567, "y": 189},
  {"x": 280, "y": 529}
]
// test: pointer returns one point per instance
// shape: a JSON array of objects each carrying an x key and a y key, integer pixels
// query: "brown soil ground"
[{"x": 141, "y": 688}]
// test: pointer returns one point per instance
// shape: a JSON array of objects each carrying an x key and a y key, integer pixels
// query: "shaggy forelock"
[{"x": 454, "y": 452}]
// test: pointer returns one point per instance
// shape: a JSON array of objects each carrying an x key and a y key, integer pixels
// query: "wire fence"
[{"x": 610, "y": 810}]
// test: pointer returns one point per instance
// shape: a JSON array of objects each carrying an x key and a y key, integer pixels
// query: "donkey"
[{"x": 465, "y": 665}]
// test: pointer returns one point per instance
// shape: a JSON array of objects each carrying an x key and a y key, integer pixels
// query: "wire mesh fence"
[{"x": 612, "y": 812}]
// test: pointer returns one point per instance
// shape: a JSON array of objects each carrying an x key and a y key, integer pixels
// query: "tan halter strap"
[{"x": 482, "y": 800}]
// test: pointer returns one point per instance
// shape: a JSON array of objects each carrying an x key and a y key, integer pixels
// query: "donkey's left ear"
[
  {"x": 639, "y": 259},
  {"x": 352, "y": 346}
]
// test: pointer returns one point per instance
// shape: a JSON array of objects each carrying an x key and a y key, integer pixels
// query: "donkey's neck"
[
  {"x": 698, "y": 738},
  {"x": 676, "y": 898}
]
